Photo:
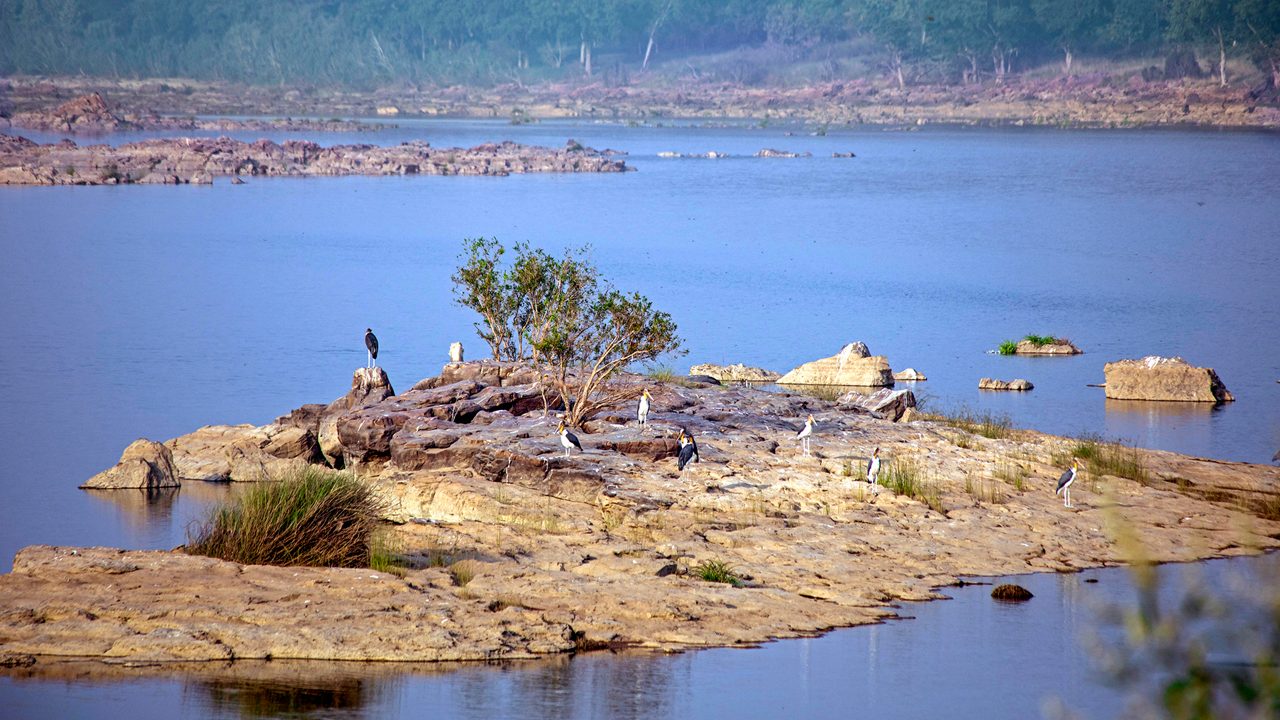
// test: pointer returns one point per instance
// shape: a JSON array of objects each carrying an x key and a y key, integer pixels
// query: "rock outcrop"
[
  {"x": 909, "y": 375},
  {"x": 993, "y": 384},
  {"x": 735, "y": 373},
  {"x": 1164, "y": 379},
  {"x": 1060, "y": 346},
  {"x": 170, "y": 161},
  {"x": 853, "y": 365},
  {"x": 602, "y": 547},
  {"x": 144, "y": 464},
  {"x": 885, "y": 403}
]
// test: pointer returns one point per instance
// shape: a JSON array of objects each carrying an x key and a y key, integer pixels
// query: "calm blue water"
[
  {"x": 148, "y": 311},
  {"x": 969, "y": 657}
]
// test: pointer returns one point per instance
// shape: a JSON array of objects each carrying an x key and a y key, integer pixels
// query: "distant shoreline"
[{"x": 1084, "y": 102}]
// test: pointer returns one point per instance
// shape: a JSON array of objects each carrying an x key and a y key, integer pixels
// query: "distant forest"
[{"x": 380, "y": 42}]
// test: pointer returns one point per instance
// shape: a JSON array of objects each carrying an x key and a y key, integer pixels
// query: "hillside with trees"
[{"x": 369, "y": 43}]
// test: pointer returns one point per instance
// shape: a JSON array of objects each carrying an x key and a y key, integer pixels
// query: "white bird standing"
[
  {"x": 873, "y": 467},
  {"x": 642, "y": 412},
  {"x": 805, "y": 433},
  {"x": 1064, "y": 484},
  {"x": 569, "y": 441}
]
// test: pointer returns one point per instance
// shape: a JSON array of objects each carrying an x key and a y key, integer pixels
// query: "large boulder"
[
  {"x": 853, "y": 365},
  {"x": 1060, "y": 346},
  {"x": 887, "y": 403},
  {"x": 1165, "y": 379},
  {"x": 144, "y": 464},
  {"x": 243, "y": 453},
  {"x": 487, "y": 372},
  {"x": 734, "y": 373}
]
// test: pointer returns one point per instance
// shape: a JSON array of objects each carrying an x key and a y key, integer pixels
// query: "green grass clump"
[
  {"x": 1042, "y": 340},
  {"x": 904, "y": 476},
  {"x": 308, "y": 516},
  {"x": 1110, "y": 458},
  {"x": 985, "y": 424},
  {"x": 717, "y": 571},
  {"x": 1008, "y": 347},
  {"x": 385, "y": 553}
]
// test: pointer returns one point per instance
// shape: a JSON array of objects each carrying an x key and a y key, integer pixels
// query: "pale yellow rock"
[
  {"x": 1165, "y": 379},
  {"x": 851, "y": 366},
  {"x": 144, "y": 464}
]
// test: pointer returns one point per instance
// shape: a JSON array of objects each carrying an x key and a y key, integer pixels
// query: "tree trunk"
[
  {"x": 895, "y": 60},
  {"x": 1222, "y": 58},
  {"x": 587, "y": 63},
  {"x": 1068, "y": 59},
  {"x": 648, "y": 51}
]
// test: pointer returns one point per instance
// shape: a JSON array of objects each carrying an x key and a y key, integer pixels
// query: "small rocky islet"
[{"x": 603, "y": 548}]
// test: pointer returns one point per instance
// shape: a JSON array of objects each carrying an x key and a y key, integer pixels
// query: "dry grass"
[
  {"x": 985, "y": 490},
  {"x": 905, "y": 476},
  {"x": 309, "y": 516},
  {"x": 1111, "y": 458},
  {"x": 1012, "y": 473},
  {"x": 462, "y": 572},
  {"x": 985, "y": 424}
]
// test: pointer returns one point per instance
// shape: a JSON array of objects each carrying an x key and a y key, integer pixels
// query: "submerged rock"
[
  {"x": 1011, "y": 592},
  {"x": 1165, "y": 379}
]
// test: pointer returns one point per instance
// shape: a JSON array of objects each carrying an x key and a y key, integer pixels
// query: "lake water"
[
  {"x": 968, "y": 657},
  {"x": 148, "y": 311}
]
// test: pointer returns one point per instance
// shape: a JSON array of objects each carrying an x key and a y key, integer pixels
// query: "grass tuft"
[
  {"x": 984, "y": 491},
  {"x": 462, "y": 572},
  {"x": 1042, "y": 340},
  {"x": 986, "y": 424},
  {"x": 1111, "y": 458},
  {"x": 904, "y": 476},
  {"x": 717, "y": 571},
  {"x": 1011, "y": 473},
  {"x": 1008, "y": 347},
  {"x": 308, "y": 516}
]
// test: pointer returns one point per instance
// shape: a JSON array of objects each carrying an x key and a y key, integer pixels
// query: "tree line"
[{"x": 377, "y": 42}]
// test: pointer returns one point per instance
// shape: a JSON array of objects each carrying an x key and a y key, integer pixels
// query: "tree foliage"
[
  {"x": 560, "y": 316},
  {"x": 381, "y": 42}
]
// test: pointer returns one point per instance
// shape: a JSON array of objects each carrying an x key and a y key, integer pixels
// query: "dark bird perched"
[
  {"x": 805, "y": 433},
  {"x": 1064, "y": 484},
  {"x": 687, "y": 453},
  {"x": 569, "y": 441},
  {"x": 873, "y": 467},
  {"x": 688, "y": 450},
  {"x": 371, "y": 342}
]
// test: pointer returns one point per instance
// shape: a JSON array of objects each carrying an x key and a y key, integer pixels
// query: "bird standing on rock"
[
  {"x": 688, "y": 451},
  {"x": 873, "y": 467},
  {"x": 371, "y": 342},
  {"x": 805, "y": 433},
  {"x": 569, "y": 440},
  {"x": 1064, "y": 484},
  {"x": 642, "y": 413}
]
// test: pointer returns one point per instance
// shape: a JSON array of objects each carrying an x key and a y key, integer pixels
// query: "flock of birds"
[{"x": 689, "y": 447}]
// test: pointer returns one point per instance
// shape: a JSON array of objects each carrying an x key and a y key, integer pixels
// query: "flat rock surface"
[{"x": 603, "y": 547}]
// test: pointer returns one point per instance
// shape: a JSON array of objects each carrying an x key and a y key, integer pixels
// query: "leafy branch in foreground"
[{"x": 560, "y": 316}]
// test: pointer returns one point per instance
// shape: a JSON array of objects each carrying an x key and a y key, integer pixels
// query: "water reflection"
[
  {"x": 140, "y": 508},
  {"x": 1142, "y": 422}
]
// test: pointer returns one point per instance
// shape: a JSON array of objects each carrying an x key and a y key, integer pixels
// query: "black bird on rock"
[{"x": 371, "y": 342}]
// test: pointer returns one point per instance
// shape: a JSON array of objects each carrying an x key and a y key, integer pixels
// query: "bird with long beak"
[
  {"x": 873, "y": 467},
  {"x": 1064, "y": 484},
  {"x": 371, "y": 344},
  {"x": 642, "y": 412},
  {"x": 569, "y": 440},
  {"x": 805, "y": 433},
  {"x": 686, "y": 440},
  {"x": 688, "y": 451}
]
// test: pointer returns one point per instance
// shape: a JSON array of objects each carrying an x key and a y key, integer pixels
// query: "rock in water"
[
  {"x": 992, "y": 384},
  {"x": 1058, "y": 347},
  {"x": 144, "y": 464},
  {"x": 853, "y": 365},
  {"x": 1161, "y": 378},
  {"x": 735, "y": 373},
  {"x": 1014, "y": 593},
  {"x": 910, "y": 375}
]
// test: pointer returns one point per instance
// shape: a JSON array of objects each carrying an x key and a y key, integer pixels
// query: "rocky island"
[
  {"x": 173, "y": 161},
  {"x": 512, "y": 549}
]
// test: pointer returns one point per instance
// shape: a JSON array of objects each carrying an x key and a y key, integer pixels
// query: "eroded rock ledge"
[
  {"x": 600, "y": 548},
  {"x": 172, "y": 161}
]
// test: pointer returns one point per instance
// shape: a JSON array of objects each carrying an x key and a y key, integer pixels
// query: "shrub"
[
  {"x": 308, "y": 516},
  {"x": 1041, "y": 340},
  {"x": 717, "y": 571},
  {"x": 1008, "y": 347}
]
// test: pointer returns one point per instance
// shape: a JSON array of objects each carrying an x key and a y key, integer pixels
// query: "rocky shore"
[
  {"x": 172, "y": 161},
  {"x": 514, "y": 550},
  {"x": 1088, "y": 101}
]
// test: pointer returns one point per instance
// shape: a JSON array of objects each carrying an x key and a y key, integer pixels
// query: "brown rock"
[
  {"x": 1061, "y": 347},
  {"x": 1011, "y": 592},
  {"x": 144, "y": 464},
  {"x": 734, "y": 373},
  {"x": 992, "y": 384},
  {"x": 1165, "y": 379},
  {"x": 848, "y": 367},
  {"x": 886, "y": 403}
]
